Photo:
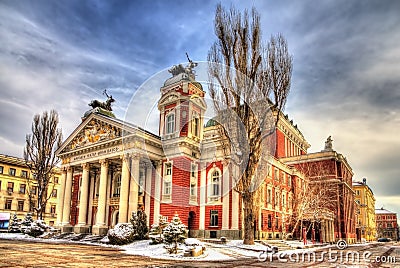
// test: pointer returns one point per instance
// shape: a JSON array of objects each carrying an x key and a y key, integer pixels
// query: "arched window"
[
  {"x": 215, "y": 183},
  {"x": 195, "y": 125},
  {"x": 170, "y": 123}
]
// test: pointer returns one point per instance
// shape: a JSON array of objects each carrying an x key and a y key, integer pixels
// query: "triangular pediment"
[
  {"x": 95, "y": 129},
  {"x": 199, "y": 101}
]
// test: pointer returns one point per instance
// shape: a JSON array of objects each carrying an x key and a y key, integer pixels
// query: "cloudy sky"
[{"x": 346, "y": 79}]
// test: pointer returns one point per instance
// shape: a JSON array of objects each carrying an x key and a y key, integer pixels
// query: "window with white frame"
[
  {"x": 167, "y": 181},
  {"x": 213, "y": 218},
  {"x": 168, "y": 169},
  {"x": 283, "y": 200},
  {"x": 269, "y": 195},
  {"x": 170, "y": 123},
  {"x": 193, "y": 181},
  {"x": 167, "y": 187},
  {"x": 215, "y": 183},
  {"x": 289, "y": 180}
]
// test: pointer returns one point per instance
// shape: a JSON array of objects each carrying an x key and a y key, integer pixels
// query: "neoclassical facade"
[{"x": 112, "y": 168}]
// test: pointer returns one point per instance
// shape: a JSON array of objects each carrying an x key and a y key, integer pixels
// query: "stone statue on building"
[
  {"x": 179, "y": 69},
  {"x": 104, "y": 105},
  {"x": 328, "y": 144}
]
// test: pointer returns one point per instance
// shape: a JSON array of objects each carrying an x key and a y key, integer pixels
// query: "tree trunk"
[{"x": 249, "y": 217}]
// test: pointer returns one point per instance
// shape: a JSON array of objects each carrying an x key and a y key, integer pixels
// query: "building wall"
[
  {"x": 16, "y": 194},
  {"x": 386, "y": 223},
  {"x": 365, "y": 222}
]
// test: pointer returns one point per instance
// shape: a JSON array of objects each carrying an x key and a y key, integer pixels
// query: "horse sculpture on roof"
[{"x": 104, "y": 105}]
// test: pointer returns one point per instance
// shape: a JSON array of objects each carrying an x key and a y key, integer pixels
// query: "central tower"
[{"x": 182, "y": 109}]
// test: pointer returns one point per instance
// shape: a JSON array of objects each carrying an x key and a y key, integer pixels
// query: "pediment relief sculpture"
[{"x": 95, "y": 132}]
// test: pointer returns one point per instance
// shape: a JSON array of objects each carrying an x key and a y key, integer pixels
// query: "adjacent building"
[
  {"x": 330, "y": 181},
  {"x": 111, "y": 167},
  {"x": 14, "y": 191},
  {"x": 365, "y": 212},
  {"x": 386, "y": 224}
]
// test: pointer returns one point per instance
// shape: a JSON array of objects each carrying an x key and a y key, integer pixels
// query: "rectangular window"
[
  {"x": 54, "y": 193},
  {"x": 269, "y": 221},
  {"x": 195, "y": 126},
  {"x": 213, "y": 217},
  {"x": 269, "y": 170},
  {"x": 269, "y": 195},
  {"x": 24, "y": 174},
  {"x": 53, "y": 209},
  {"x": 55, "y": 179},
  {"x": 290, "y": 181},
  {"x": 276, "y": 223},
  {"x": 276, "y": 199},
  {"x": 22, "y": 188},
  {"x": 10, "y": 187},
  {"x": 1, "y": 169},
  {"x": 276, "y": 174},
  {"x": 20, "y": 205},
  {"x": 168, "y": 169},
  {"x": 11, "y": 172},
  {"x": 34, "y": 190},
  {"x": 170, "y": 123},
  {"x": 283, "y": 200},
  {"x": 167, "y": 187},
  {"x": 193, "y": 170},
  {"x": 193, "y": 189},
  {"x": 8, "y": 204}
]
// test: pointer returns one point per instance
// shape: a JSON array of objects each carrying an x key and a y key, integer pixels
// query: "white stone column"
[
  {"x": 322, "y": 231},
  {"x": 60, "y": 205},
  {"x": 157, "y": 192},
  {"x": 124, "y": 193},
  {"x": 67, "y": 200},
  {"x": 91, "y": 196},
  {"x": 133, "y": 189},
  {"x": 84, "y": 200},
  {"x": 147, "y": 193},
  {"x": 225, "y": 198},
  {"x": 100, "y": 227},
  {"x": 203, "y": 187}
]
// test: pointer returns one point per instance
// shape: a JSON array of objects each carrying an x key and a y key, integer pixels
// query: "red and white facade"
[{"x": 111, "y": 168}]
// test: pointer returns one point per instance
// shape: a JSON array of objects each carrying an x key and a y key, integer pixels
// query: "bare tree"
[
  {"x": 249, "y": 85},
  {"x": 40, "y": 157},
  {"x": 314, "y": 197}
]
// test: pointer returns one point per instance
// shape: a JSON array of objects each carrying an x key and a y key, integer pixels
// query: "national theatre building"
[{"x": 111, "y": 168}]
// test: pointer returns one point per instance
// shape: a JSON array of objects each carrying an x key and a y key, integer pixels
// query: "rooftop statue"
[
  {"x": 104, "y": 105},
  {"x": 179, "y": 69},
  {"x": 328, "y": 144}
]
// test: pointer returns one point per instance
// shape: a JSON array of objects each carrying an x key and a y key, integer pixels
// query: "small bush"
[
  {"x": 36, "y": 228},
  {"x": 123, "y": 233}
]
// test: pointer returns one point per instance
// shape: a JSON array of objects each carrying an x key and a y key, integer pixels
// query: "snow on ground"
[
  {"x": 233, "y": 249},
  {"x": 143, "y": 248}
]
